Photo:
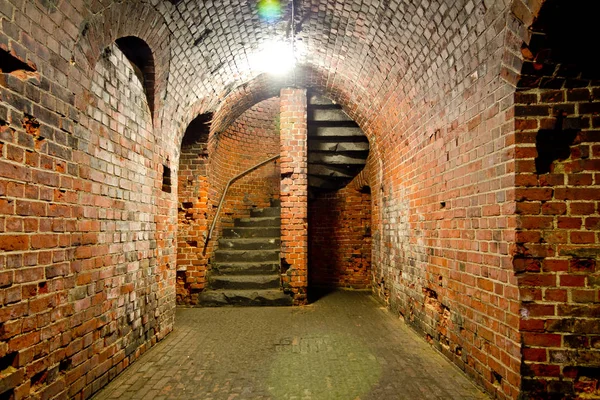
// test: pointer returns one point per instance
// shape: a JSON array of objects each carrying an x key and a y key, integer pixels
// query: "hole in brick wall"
[
  {"x": 10, "y": 63},
  {"x": 8, "y": 395},
  {"x": 64, "y": 365},
  {"x": 39, "y": 379},
  {"x": 564, "y": 27},
  {"x": 8, "y": 361},
  {"x": 142, "y": 60},
  {"x": 32, "y": 126},
  {"x": 496, "y": 378},
  {"x": 198, "y": 130},
  {"x": 443, "y": 204},
  {"x": 166, "y": 179},
  {"x": 187, "y": 204},
  {"x": 42, "y": 288},
  {"x": 552, "y": 145},
  {"x": 365, "y": 190},
  {"x": 285, "y": 265}
]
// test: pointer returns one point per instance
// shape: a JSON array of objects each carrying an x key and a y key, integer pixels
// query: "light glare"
[{"x": 273, "y": 57}]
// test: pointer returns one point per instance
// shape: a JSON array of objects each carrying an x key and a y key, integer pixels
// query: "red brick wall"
[
  {"x": 339, "y": 235},
  {"x": 86, "y": 284},
  {"x": 557, "y": 240},
  {"x": 558, "y": 202},
  {"x": 294, "y": 192},
  {"x": 193, "y": 209},
  {"x": 432, "y": 84}
]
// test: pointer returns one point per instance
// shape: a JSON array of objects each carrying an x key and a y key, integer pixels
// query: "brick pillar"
[{"x": 294, "y": 192}]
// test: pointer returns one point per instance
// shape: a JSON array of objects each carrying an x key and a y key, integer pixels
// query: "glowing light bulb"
[
  {"x": 269, "y": 9},
  {"x": 273, "y": 57}
]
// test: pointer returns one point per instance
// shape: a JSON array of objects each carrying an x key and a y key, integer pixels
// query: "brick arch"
[
  {"x": 121, "y": 20},
  {"x": 265, "y": 86},
  {"x": 557, "y": 199}
]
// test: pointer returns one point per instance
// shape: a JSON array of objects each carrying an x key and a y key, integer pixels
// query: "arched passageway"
[{"x": 481, "y": 120}]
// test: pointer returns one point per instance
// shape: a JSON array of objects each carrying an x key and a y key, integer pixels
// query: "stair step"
[
  {"x": 216, "y": 298},
  {"x": 328, "y": 130},
  {"x": 352, "y": 158},
  {"x": 327, "y": 114},
  {"x": 244, "y": 281},
  {"x": 266, "y": 212},
  {"x": 334, "y": 145},
  {"x": 255, "y": 232},
  {"x": 249, "y": 244},
  {"x": 318, "y": 99},
  {"x": 245, "y": 268},
  {"x": 257, "y": 222},
  {"x": 332, "y": 171},
  {"x": 246, "y": 255}
]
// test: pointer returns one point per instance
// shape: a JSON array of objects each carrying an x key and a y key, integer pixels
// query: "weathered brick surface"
[
  {"x": 294, "y": 192},
  {"x": 339, "y": 235},
  {"x": 86, "y": 238},
  {"x": 485, "y": 255},
  {"x": 558, "y": 198},
  {"x": 193, "y": 209}
]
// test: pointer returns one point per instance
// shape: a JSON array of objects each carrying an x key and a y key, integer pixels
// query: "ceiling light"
[{"x": 274, "y": 57}]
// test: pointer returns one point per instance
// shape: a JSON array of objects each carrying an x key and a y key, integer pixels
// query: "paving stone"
[{"x": 343, "y": 346}]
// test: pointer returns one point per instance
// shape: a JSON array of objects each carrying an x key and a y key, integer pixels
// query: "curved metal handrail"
[{"x": 235, "y": 178}]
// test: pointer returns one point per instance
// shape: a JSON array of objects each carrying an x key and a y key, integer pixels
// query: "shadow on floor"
[{"x": 317, "y": 293}]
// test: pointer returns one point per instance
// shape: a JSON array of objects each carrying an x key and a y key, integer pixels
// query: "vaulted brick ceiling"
[{"x": 368, "y": 45}]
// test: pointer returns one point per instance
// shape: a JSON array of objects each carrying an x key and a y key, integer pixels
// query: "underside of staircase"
[{"x": 245, "y": 268}]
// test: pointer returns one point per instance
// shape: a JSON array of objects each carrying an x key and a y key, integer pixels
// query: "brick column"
[{"x": 294, "y": 192}]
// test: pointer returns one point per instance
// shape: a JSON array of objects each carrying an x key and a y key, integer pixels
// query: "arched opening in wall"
[
  {"x": 192, "y": 209},
  {"x": 557, "y": 107},
  {"x": 140, "y": 56},
  {"x": 244, "y": 180},
  {"x": 339, "y": 206}
]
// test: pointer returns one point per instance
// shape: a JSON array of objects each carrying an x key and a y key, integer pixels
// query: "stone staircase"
[
  {"x": 337, "y": 147},
  {"x": 245, "y": 268}
]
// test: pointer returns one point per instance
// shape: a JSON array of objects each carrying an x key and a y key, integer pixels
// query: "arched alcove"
[
  {"x": 140, "y": 55},
  {"x": 193, "y": 208}
]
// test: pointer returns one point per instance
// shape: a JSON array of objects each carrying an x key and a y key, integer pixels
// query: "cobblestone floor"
[{"x": 344, "y": 346}]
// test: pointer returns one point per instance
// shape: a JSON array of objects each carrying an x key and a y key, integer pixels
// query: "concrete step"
[
  {"x": 327, "y": 114},
  {"x": 245, "y": 281},
  {"x": 257, "y": 222},
  {"x": 347, "y": 158},
  {"x": 331, "y": 131},
  {"x": 266, "y": 212},
  {"x": 249, "y": 244},
  {"x": 318, "y": 99},
  {"x": 246, "y": 255},
  {"x": 333, "y": 145},
  {"x": 245, "y": 268},
  {"x": 240, "y": 232},
  {"x": 343, "y": 171},
  {"x": 219, "y": 298}
]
